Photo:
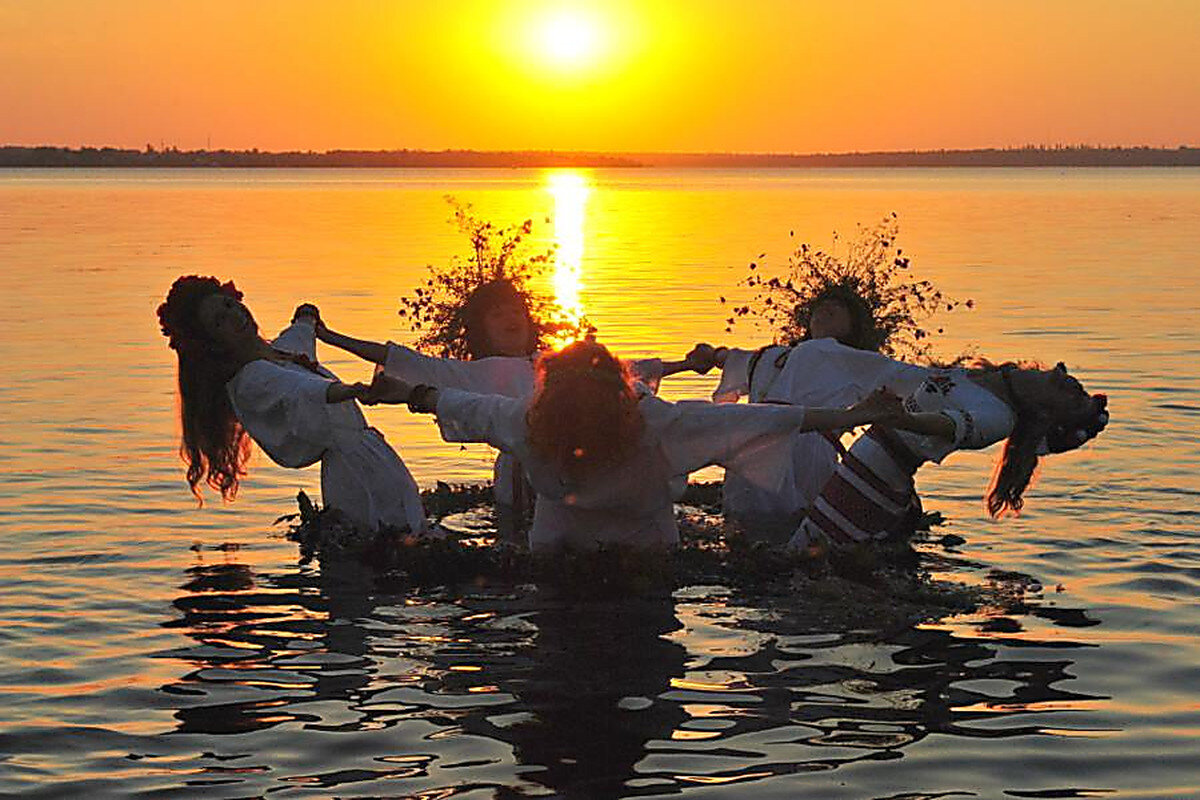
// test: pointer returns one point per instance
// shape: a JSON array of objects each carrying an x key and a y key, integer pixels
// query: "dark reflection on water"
[{"x": 508, "y": 692}]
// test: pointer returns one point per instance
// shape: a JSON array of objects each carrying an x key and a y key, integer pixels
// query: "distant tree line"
[
  {"x": 1029, "y": 156},
  {"x": 11, "y": 156}
]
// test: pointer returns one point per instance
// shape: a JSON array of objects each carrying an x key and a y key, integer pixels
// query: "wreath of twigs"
[
  {"x": 872, "y": 268},
  {"x": 435, "y": 310}
]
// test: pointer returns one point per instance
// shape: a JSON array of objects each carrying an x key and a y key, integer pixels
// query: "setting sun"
[{"x": 569, "y": 38}]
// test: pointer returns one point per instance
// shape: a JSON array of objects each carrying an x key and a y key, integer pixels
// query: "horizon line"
[{"x": 164, "y": 148}]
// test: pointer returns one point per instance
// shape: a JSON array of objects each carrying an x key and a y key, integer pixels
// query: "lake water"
[{"x": 153, "y": 648}]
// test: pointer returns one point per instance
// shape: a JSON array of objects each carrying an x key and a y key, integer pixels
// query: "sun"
[{"x": 570, "y": 38}]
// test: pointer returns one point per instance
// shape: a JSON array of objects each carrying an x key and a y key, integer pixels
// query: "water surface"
[{"x": 153, "y": 647}]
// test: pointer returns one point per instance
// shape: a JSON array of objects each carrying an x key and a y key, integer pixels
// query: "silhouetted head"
[
  {"x": 206, "y": 325},
  {"x": 838, "y": 312},
  {"x": 584, "y": 415},
  {"x": 1055, "y": 414},
  {"x": 497, "y": 322}
]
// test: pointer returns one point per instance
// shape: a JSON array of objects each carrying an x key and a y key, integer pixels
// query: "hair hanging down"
[
  {"x": 214, "y": 445},
  {"x": 584, "y": 414},
  {"x": 1018, "y": 464},
  {"x": 1034, "y": 435}
]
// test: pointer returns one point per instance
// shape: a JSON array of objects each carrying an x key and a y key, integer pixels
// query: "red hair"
[
  {"x": 213, "y": 443},
  {"x": 584, "y": 414}
]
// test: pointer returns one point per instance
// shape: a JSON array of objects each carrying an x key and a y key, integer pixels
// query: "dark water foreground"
[{"x": 328, "y": 681}]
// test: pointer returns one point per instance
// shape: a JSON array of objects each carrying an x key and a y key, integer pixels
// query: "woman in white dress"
[
  {"x": 1038, "y": 411},
  {"x": 837, "y": 364},
  {"x": 235, "y": 387},
  {"x": 502, "y": 341},
  {"x": 601, "y": 452}
]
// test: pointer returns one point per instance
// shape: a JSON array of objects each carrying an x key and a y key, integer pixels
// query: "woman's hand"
[
  {"x": 881, "y": 407},
  {"x": 701, "y": 358},
  {"x": 386, "y": 389}
]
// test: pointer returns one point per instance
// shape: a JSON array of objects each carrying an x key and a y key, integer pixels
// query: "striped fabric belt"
[{"x": 895, "y": 448}]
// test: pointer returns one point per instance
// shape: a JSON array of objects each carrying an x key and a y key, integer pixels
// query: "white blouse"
[
  {"x": 502, "y": 375},
  {"x": 282, "y": 406},
  {"x": 871, "y": 491},
  {"x": 777, "y": 484},
  {"x": 630, "y": 502},
  {"x": 980, "y": 418}
]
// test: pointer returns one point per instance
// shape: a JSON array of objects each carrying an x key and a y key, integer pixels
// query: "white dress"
[
  {"x": 870, "y": 493},
  {"x": 774, "y": 486},
  {"x": 631, "y": 502},
  {"x": 282, "y": 406},
  {"x": 503, "y": 375}
]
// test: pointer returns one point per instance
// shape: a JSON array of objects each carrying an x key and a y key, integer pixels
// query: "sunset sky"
[{"x": 615, "y": 75}]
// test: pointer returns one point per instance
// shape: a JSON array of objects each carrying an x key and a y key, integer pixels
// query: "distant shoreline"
[{"x": 53, "y": 157}]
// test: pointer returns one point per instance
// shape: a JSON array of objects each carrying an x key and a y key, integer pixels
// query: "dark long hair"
[
  {"x": 484, "y": 298},
  {"x": 213, "y": 443},
  {"x": 1035, "y": 434},
  {"x": 1017, "y": 466},
  {"x": 584, "y": 414}
]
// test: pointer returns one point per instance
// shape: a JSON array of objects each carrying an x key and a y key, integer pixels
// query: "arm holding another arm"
[
  {"x": 462, "y": 416},
  {"x": 696, "y": 434},
  {"x": 373, "y": 352}
]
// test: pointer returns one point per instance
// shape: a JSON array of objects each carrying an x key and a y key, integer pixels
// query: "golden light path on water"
[{"x": 570, "y": 190}]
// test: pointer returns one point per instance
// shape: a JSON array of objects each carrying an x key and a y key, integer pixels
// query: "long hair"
[
  {"x": 213, "y": 443},
  {"x": 484, "y": 298},
  {"x": 584, "y": 414},
  {"x": 1036, "y": 433},
  {"x": 1018, "y": 464}
]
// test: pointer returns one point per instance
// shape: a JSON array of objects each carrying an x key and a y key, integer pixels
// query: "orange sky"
[{"x": 671, "y": 75}]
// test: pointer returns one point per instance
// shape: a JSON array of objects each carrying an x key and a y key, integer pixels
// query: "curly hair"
[
  {"x": 584, "y": 414},
  {"x": 213, "y": 443}
]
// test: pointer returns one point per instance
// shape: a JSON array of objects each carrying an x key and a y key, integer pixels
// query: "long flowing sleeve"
[
  {"x": 695, "y": 434},
  {"x": 511, "y": 377},
  {"x": 824, "y": 372},
  {"x": 489, "y": 418},
  {"x": 735, "y": 376},
  {"x": 980, "y": 418},
  {"x": 648, "y": 371},
  {"x": 299, "y": 338},
  {"x": 284, "y": 411}
]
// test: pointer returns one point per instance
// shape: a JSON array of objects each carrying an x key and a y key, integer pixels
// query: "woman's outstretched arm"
[
  {"x": 881, "y": 407},
  {"x": 339, "y": 392},
  {"x": 374, "y": 352},
  {"x": 700, "y": 360},
  {"x": 367, "y": 350}
]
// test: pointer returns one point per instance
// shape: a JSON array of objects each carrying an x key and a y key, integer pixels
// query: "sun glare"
[
  {"x": 570, "y": 38},
  {"x": 570, "y": 192}
]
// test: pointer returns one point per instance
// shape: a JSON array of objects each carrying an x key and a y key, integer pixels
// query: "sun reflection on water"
[{"x": 570, "y": 190}]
